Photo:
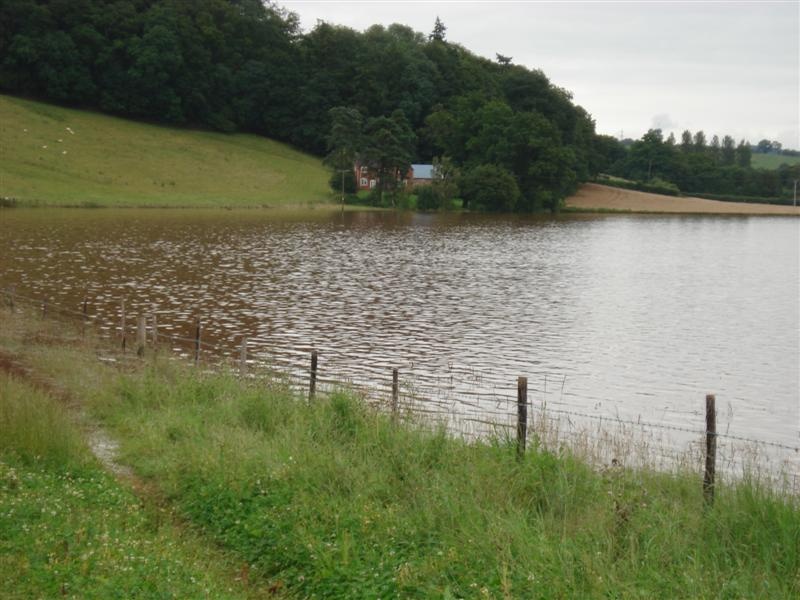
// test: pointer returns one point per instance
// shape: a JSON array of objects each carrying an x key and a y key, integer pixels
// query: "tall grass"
[
  {"x": 334, "y": 500},
  {"x": 34, "y": 428},
  {"x": 68, "y": 529}
]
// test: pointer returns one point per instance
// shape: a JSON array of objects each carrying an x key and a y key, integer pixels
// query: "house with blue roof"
[{"x": 421, "y": 174}]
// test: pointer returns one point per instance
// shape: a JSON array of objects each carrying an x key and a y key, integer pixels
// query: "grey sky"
[{"x": 724, "y": 67}]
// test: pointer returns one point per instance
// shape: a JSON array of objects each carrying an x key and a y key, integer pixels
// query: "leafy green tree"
[
  {"x": 728, "y": 152},
  {"x": 687, "y": 143},
  {"x": 489, "y": 187},
  {"x": 764, "y": 146},
  {"x": 715, "y": 148},
  {"x": 344, "y": 142},
  {"x": 743, "y": 154},
  {"x": 344, "y": 182},
  {"x": 699, "y": 141},
  {"x": 156, "y": 62},
  {"x": 607, "y": 150},
  {"x": 388, "y": 148}
]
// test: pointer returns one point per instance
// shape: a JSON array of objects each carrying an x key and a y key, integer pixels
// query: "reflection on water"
[{"x": 624, "y": 316}]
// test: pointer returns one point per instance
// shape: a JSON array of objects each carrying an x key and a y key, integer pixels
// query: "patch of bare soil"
[{"x": 593, "y": 196}]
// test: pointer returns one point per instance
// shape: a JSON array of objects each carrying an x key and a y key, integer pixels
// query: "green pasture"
[{"x": 54, "y": 156}]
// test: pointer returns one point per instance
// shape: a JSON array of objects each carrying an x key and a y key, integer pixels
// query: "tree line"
[
  {"x": 245, "y": 65},
  {"x": 695, "y": 165}
]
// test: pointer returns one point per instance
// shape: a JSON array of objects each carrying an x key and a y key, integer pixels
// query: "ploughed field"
[{"x": 593, "y": 196}]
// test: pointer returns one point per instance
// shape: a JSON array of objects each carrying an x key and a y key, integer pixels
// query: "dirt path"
[
  {"x": 104, "y": 447},
  {"x": 593, "y": 196}
]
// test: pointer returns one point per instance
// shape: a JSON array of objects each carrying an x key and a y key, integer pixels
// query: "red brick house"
[{"x": 367, "y": 178}]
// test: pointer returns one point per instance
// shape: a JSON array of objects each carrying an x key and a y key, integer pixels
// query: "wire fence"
[{"x": 468, "y": 402}]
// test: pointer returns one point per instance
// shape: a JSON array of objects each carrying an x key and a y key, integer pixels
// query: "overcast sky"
[{"x": 723, "y": 67}]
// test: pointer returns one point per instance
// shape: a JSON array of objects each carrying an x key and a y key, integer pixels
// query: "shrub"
[
  {"x": 489, "y": 187},
  {"x": 654, "y": 185},
  {"x": 749, "y": 199},
  {"x": 428, "y": 198}
]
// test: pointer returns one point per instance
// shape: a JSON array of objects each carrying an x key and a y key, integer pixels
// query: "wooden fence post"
[
  {"x": 312, "y": 386},
  {"x": 395, "y": 392},
  {"x": 154, "y": 338},
  {"x": 123, "y": 324},
  {"x": 85, "y": 315},
  {"x": 711, "y": 449},
  {"x": 522, "y": 415},
  {"x": 197, "y": 341},
  {"x": 243, "y": 357},
  {"x": 141, "y": 336}
]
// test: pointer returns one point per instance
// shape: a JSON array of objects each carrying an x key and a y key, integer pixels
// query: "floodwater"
[{"x": 615, "y": 316}]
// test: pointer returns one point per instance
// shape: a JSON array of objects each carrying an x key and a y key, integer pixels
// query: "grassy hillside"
[
  {"x": 60, "y": 157},
  {"x": 772, "y": 161}
]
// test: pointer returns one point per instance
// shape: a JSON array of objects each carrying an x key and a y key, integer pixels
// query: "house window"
[
  {"x": 372, "y": 184},
  {"x": 363, "y": 182},
  {"x": 363, "y": 170}
]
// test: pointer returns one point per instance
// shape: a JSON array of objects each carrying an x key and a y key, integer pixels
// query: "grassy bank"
[
  {"x": 333, "y": 500},
  {"x": 54, "y": 156},
  {"x": 69, "y": 529}
]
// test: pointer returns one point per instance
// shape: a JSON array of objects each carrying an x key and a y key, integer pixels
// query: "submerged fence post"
[
  {"x": 711, "y": 449},
  {"x": 312, "y": 386},
  {"x": 395, "y": 392},
  {"x": 197, "y": 341},
  {"x": 122, "y": 324},
  {"x": 522, "y": 415},
  {"x": 141, "y": 336},
  {"x": 243, "y": 357},
  {"x": 84, "y": 315}
]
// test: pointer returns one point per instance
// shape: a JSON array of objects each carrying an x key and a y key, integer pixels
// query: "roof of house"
[{"x": 422, "y": 171}]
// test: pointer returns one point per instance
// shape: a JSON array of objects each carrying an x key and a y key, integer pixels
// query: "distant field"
[
  {"x": 594, "y": 197},
  {"x": 772, "y": 161},
  {"x": 54, "y": 156}
]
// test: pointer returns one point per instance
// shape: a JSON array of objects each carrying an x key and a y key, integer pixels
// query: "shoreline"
[{"x": 591, "y": 198}]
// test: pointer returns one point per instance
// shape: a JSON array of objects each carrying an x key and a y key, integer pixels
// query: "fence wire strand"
[{"x": 423, "y": 393}]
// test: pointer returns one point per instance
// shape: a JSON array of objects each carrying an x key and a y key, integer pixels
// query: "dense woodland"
[{"x": 400, "y": 96}]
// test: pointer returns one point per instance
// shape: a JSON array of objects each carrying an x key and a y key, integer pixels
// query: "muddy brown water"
[{"x": 616, "y": 316}]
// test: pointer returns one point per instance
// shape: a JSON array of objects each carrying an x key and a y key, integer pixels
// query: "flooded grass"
[{"x": 335, "y": 500}]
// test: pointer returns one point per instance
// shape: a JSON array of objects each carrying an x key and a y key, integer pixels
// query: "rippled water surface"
[{"x": 634, "y": 317}]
